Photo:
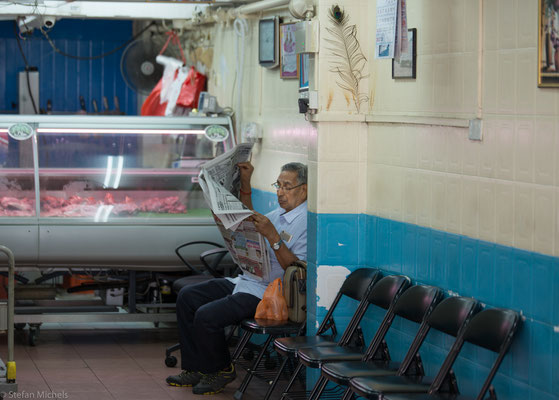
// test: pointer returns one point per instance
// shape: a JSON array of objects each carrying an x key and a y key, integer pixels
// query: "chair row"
[{"x": 369, "y": 372}]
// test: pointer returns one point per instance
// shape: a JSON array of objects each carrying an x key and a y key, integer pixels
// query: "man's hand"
[
  {"x": 245, "y": 169},
  {"x": 265, "y": 227}
]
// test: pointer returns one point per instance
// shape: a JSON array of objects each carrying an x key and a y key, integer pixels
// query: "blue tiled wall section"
[
  {"x": 499, "y": 276},
  {"x": 263, "y": 201},
  {"x": 64, "y": 79}
]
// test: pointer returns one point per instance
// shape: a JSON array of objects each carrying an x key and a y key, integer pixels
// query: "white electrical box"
[
  {"x": 115, "y": 297},
  {"x": 26, "y": 89},
  {"x": 307, "y": 36}
]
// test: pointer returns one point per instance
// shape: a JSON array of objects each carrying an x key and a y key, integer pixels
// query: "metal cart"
[{"x": 8, "y": 370}]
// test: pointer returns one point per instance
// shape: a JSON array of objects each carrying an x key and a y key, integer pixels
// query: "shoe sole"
[
  {"x": 177, "y": 385},
  {"x": 210, "y": 393},
  {"x": 217, "y": 391}
]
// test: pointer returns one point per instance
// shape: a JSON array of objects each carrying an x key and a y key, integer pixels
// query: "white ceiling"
[{"x": 127, "y": 9}]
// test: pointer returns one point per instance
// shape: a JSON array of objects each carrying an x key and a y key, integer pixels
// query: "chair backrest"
[
  {"x": 449, "y": 316},
  {"x": 417, "y": 302},
  {"x": 357, "y": 286},
  {"x": 452, "y": 313},
  {"x": 388, "y": 289},
  {"x": 414, "y": 304},
  {"x": 493, "y": 329},
  {"x": 383, "y": 294},
  {"x": 358, "y": 283}
]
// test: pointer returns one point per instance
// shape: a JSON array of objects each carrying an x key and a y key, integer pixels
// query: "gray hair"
[{"x": 300, "y": 169}]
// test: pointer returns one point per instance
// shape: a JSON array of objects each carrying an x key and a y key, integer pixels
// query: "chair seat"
[
  {"x": 315, "y": 356},
  {"x": 376, "y": 387},
  {"x": 271, "y": 327},
  {"x": 290, "y": 345},
  {"x": 342, "y": 372}
]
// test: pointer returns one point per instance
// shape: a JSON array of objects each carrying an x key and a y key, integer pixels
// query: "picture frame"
[
  {"x": 405, "y": 68},
  {"x": 289, "y": 59},
  {"x": 548, "y": 43},
  {"x": 268, "y": 42}
]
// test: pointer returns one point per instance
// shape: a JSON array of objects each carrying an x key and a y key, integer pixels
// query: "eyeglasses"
[{"x": 277, "y": 186}]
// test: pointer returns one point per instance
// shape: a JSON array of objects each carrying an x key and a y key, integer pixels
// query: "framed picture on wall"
[
  {"x": 548, "y": 43},
  {"x": 288, "y": 57},
  {"x": 405, "y": 67}
]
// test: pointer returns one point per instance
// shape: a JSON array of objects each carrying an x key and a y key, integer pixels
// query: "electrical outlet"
[{"x": 475, "y": 129}]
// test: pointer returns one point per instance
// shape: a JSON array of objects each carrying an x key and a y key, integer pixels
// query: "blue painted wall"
[
  {"x": 62, "y": 79},
  {"x": 499, "y": 276}
]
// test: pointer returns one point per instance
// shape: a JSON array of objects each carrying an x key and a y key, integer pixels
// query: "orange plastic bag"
[
  {"x": 152, "y": 105},
  {"x": 191, "y": 88},
  {"x": 194, "y": 84},
  {"x": 272, "y": 305}
]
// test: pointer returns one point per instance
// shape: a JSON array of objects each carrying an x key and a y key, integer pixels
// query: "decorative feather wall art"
[{"x": 348, "y": 61}]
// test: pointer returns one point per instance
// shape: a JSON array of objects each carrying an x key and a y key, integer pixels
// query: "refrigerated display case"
[{"x": 106, "y": 191}]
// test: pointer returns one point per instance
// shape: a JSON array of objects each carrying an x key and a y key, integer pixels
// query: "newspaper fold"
[{"x": 220, "y": 183}]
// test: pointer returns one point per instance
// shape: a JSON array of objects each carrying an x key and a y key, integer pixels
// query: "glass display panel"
[
  {"x": 108, "y": 174},
  {"x": 17, "y": 180}
]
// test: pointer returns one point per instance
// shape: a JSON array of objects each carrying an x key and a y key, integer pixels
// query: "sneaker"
[
  {"x": 184, "y": 379},
  {"x": 214, "y": 383}
]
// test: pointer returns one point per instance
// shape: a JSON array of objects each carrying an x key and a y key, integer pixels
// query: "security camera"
[
  {"x": 28, "y": 23},
  {"x": 48, "y": 22}
]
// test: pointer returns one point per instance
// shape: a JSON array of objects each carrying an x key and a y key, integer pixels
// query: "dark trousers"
[{"x": 203, "y": 311}]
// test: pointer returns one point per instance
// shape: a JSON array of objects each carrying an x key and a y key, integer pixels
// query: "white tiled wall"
[
  {"x": 266, "y": 99},
  {"x": 503, "y": 189}
]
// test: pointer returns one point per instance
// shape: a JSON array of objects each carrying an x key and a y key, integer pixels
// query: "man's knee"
[
  {"x": 185, "y": 297},
  {"x": 211, "y": 317}
]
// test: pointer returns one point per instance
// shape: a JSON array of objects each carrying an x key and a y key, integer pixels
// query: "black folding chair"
[
  {"x": 215, "y": 265},
  {"x": 452, "y": 317},
  {"x": 492, "y": 329},
  {"x": 357, "y": 286},
  {"x": 383, "y": 294},
  {"x": 415, "y": 304}
]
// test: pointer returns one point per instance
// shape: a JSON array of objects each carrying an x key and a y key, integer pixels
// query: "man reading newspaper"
[{"x": 205, "y": 309}]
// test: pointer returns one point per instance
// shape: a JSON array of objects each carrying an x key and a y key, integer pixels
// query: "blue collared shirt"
[{"x": 294, "y": 224}]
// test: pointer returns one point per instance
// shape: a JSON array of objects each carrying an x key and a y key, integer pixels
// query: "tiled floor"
[{"x": 110, "y": 362}]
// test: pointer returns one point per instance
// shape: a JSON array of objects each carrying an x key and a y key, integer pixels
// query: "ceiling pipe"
[{"x": 257, "y": 7}]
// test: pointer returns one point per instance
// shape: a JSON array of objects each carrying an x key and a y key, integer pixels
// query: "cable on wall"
[
  {"x": 241, "y": 29},
  {"x": 27, "y": 68}
]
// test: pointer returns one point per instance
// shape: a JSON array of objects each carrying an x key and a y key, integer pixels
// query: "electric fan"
[{"x": 138, "y": 66}]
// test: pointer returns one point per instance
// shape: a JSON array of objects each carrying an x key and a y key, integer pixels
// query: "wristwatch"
[{"x": 276, "y": 246}]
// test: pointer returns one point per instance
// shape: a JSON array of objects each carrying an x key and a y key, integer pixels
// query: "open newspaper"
[{"x": 220, "y": 183}]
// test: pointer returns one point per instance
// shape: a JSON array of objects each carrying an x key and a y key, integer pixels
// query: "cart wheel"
[
  {"x": 32, "y": 337},
  {"x": 20, "y": 327},
  {"x": 170, "y": 361}
]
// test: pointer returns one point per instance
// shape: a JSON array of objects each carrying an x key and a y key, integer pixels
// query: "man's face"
[{"x": 289, "y": 199}]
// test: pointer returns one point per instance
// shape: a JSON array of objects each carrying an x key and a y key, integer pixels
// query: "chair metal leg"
[
  {"x": 318, "y": 388},
  {"x": 276, "y": 378},
  {"x": 240, "y": 346},
  {"x": 250, "y": 372},
  {"x": 292, "y": 379},
  {"x": 172, "y": 349},
  {"x": 348, "y": 394}
]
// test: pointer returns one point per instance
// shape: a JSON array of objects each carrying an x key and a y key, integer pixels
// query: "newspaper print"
[
  {"x": 248, "y": 249},
  {"x": 387, "y": 15},
  {"x": 220, "y": 182}
]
